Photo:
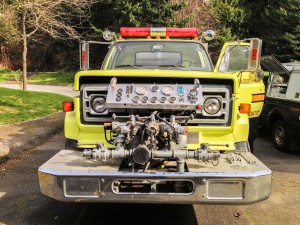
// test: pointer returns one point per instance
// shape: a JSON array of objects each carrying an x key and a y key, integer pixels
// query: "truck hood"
[{"x": 153, "y": 73}]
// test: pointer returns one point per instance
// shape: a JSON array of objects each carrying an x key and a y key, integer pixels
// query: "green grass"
[
  {"x": 54, "y": 78},
  {"x": 18, "y": 106},
  {"x": 51, "y": 78},
  {"x": 6, "y": 75}
]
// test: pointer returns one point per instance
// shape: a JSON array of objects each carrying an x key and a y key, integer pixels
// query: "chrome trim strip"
[
  {"x": 156, "y": 174},
  {"x": 254, "y": 189}
]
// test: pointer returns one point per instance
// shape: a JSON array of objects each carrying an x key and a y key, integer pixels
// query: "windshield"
[{"x": 169, "y": 55}]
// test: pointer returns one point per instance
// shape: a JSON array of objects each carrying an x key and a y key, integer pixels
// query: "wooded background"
[{"x": 276, "y": 22}]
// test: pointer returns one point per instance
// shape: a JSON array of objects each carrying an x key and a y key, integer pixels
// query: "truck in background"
[{"x": 281, "y": 111}]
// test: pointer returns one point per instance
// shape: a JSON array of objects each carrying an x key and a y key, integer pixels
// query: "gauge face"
[
  {"x": 172, "y": 100},
  {"x": 167, "y": 90},
  {"x": 154, "y": 88},
  {"x": 135, "y": 99},
  {"x": 153, "y": 99},
  {"x": 141, "y": 90},
  {"x": 144, "y": 99},
  {"x": 163, "y": 99}
]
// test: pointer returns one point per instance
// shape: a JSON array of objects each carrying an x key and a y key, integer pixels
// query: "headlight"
[
  {"x": 212, "y": 106},
  {"x": 98, "y": 104}
]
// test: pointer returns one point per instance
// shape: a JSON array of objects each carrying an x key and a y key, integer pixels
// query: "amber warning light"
[
  {"x": 245, "y": 108},
  {"x": 68, "y": 106},
  {"x": 158, "y": 32}
]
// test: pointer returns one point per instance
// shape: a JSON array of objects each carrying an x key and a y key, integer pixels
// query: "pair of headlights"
[{"x": 211, "y": 105}]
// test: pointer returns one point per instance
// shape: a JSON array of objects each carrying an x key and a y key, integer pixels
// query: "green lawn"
[
  {"x": 52, "y": 78},
  {"x": 6, "y": 74},
  {"x": 18, "y": 106},
  {"x": 56, "y": 78}
]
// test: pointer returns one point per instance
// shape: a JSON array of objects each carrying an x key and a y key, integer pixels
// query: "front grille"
[{"x": 222, "y": 92}]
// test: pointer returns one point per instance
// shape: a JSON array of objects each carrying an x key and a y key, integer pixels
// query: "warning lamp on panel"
[{"x": 158, "y": 32}]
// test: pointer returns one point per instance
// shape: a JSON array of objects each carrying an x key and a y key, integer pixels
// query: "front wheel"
[{"x": 280, "y": 136}]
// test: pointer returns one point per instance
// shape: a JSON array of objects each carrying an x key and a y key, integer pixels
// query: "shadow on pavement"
[{"x": 54, "y": 212}]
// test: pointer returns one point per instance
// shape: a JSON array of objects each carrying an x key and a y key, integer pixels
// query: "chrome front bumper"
[{"x": 69, "y": 177}]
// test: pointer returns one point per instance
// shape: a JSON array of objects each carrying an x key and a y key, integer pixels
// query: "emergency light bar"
[{"x": 158, "y": 32}]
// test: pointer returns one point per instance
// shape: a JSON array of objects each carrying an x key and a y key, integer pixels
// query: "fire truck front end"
[{"x": 157, "y": 125}]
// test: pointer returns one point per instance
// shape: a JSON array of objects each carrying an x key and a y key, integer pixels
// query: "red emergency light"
[
  {"x": 158, "y": 32},
  {"x": 254, "y": 54}
]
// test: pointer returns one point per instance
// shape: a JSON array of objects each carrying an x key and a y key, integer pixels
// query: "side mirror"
[
  {"x": 84, "y": 52},
  {"x": 108, "y": 35},
  {"x": 84, "y": 55},
  {"x": 255, "y": 53},
  {"x": 254, "y": 58},
  {"x": 208, "y": 35}
]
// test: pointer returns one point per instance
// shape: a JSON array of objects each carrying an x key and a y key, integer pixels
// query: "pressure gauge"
[
  {"x": 153, "y": 99},
  {"x": 163, "y": 99},
  {"x": 154, "y": 88},
  {"x": 145, "y": 99},
  {"x": 135, "y": 99},
  {"x": 167, "y": 90},
  {"x": 141, "y": 90}
]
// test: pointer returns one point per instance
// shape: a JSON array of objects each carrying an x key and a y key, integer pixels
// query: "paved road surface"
[
  {"x": 64, "y": 90},
  {"x": 22, "y": 203}
]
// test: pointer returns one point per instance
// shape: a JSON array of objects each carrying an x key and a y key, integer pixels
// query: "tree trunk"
[
  {"x": 4, "y": 57},
  {"x": 24, "y": 51}
]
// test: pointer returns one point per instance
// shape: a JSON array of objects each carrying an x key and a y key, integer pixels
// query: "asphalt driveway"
[{"x": 22, "y": 203}]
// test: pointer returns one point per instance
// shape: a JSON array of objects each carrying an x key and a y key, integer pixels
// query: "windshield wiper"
[
  {"x": 128, "y": 65},
  {"x": 174, "y": 65}
]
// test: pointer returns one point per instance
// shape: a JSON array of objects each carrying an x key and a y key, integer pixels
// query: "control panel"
[{"x": 155, "y": 96}]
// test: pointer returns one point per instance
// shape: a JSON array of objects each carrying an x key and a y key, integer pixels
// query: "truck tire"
[
  {"x": 70, "y": 144},
  {"x": 253, "y": 131},
  {"x": 280, "y": 136}
]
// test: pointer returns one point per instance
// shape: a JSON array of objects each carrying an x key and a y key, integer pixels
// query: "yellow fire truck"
[{"x": 159, "y": 124}]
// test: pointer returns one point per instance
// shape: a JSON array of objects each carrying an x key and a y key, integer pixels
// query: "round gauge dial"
[
  {"x": 144, "y": 99},
  {"x": 135, "y": 99},
  {"x": 154, "y": 88},
  {"x": 153, "y": 99},
  {"x": 163, "y": 99},
  {"x": 167, "y": 90},
  {"x": 141, "y": 90},
  {"x": 172, "y": 100}
]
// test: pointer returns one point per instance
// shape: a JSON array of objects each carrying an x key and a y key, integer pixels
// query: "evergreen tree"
[
  {"x": 110, "y": 14},
  {"x": 229, "y": 16},
  {"x": 136, "y": 13},
  {"x": 277, "y": 23}
]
